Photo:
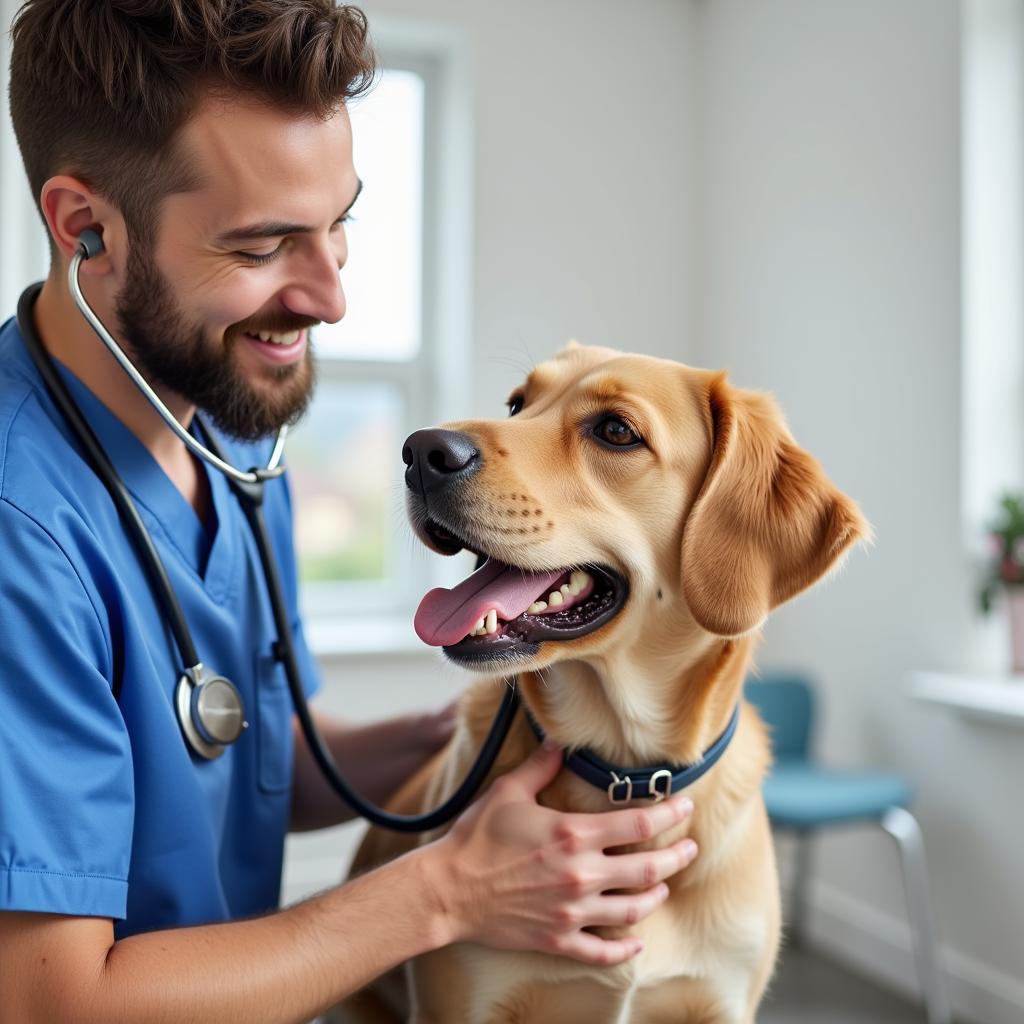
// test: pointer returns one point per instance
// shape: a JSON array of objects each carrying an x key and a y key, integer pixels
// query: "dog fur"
[{"x": 715, "y": 520}]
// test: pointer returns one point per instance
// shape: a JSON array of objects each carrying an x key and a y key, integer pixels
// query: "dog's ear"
[{"x": 767, "y": 522}]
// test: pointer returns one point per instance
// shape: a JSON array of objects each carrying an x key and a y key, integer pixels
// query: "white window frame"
[
  {"x": 992, "y": 427},
  {"x": 358, "y": 618},
  {"x": 992, "y": 335}
]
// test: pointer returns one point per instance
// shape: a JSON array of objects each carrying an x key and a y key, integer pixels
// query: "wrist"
[{"x": 438, "y": 878}]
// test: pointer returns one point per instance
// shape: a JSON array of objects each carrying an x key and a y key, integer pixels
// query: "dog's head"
[{"x": 626, "y": 500}]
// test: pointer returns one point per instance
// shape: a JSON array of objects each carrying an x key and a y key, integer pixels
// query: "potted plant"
[{"x": 1006, "y": 570}]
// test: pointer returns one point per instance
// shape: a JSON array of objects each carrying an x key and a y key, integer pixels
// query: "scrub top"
[{"x": 103, "y": 810}]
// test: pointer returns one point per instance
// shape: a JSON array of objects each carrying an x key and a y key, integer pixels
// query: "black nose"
[{"x": 437, "y": 458}]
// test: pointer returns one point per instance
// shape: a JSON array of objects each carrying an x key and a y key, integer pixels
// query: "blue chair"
[{"x": 803, "y": 797}]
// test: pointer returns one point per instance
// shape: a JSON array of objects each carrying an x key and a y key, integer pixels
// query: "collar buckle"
[
  {"x": 616, "y": 781},
  {"x": 656, "y": 795}
]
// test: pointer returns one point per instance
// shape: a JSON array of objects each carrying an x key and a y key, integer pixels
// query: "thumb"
[{"x": 540, "y": 768}]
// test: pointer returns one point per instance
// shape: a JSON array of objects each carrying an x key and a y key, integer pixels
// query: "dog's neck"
[{"x": 641, "y": 711}]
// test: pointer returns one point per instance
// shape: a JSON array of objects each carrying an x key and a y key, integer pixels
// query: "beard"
[{"x": 177, "y": 355}]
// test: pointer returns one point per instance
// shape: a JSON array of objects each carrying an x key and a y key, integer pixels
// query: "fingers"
[
  {"x": 594, "y": 950},
  {"x": 636, "y": 825},
  {"x": 623, "y": 910},
  {"x": 642, "y": 870},
  {"x": 609, "y": 910},
  {"x": 536, "y": 771}
]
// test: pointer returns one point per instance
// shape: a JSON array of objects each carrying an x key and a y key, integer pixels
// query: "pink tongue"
[{"x": 444, "y": 617}]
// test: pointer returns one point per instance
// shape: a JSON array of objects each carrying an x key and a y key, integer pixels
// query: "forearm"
[
  {"x": 286, "y": 967},
  {"x": 375, "y": 760}
]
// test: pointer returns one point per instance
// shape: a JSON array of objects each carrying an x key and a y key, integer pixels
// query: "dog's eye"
[
  {"x": 515, "y": 403},
  {"x": 613, "y": 431}
]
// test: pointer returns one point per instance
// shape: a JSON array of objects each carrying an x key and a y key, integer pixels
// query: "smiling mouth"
[{"x": 503, "y": 613}]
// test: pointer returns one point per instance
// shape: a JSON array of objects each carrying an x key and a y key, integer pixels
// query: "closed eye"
[{"x": 258, "y": 259}]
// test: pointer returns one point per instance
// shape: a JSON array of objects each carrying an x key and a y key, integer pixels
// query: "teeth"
[
  {"x": 286, "y": 338},
  {"x": 578, "y": 580}
]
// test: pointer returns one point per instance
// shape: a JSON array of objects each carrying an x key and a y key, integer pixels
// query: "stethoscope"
[{"x": 208, "y": 706}]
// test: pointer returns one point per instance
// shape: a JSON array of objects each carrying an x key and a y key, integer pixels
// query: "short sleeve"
[{"x": 66, "y": 785}]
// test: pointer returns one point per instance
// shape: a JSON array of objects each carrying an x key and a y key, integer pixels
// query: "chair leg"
[
  {"x": 903, "y": 827},
  {"x": 797, "y": 931}
]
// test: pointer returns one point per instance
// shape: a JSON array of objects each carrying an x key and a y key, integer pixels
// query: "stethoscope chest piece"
[{"x": 210, "y": 712}]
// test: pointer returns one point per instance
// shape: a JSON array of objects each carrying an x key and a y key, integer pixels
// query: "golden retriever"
[{"x": 654, "y": 515}]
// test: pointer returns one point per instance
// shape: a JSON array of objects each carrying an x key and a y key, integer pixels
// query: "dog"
[{"x": 653, "y": 515}]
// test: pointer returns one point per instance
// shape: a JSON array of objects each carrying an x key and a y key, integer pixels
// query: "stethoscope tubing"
[
  {"x": 251, "y": 498},
  {"x": 248, "y": 487},
  {"x": 273, "y": 467},
  {"x": 104, "y": 469}
]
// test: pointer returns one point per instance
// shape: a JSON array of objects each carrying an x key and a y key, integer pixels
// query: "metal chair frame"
[{"x": 896, "y": 821}]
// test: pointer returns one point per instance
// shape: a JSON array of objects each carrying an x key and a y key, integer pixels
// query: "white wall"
[
  {"x": 830, "y": 259},
  {"x": 582, "y": 174},
  {"x": 774, "y": 188}
]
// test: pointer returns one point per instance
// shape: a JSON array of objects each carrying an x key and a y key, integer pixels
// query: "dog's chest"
[{"x": 716, "y": 965}]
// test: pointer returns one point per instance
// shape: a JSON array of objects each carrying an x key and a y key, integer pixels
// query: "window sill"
[
  {"x": 355, "y": 636},
  {"x": 978, "y": 697}
]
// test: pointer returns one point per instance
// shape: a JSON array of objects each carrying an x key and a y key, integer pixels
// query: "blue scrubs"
[{"x": 103, "y": 811}]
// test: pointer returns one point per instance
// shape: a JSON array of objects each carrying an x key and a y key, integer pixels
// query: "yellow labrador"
[{"x": 640, "y": 519}]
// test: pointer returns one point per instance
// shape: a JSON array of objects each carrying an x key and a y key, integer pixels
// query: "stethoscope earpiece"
[{"x": 90, "y": 243}]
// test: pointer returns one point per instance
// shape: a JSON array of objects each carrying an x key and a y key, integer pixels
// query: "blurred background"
[{"x": 823, "y": 197}]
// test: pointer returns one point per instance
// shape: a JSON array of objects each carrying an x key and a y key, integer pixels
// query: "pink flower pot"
[{"x": 1015, "y": 604}]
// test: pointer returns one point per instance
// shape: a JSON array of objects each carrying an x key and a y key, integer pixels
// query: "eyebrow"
[{"x": 275, "y": 228}]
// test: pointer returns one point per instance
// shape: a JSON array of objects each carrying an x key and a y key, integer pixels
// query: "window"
[
  {"x": 993, "y": 260},
  {"x": 356, "y": 552}
]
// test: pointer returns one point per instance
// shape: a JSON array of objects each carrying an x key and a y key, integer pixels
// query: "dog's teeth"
[
  {"x": 492, "y": 622},
  {"x": 537, "y": 606},
  {"x": 555, "y": 598},
  {"x": 478, "y": 626},
  {"x": 565, "y": 589}
]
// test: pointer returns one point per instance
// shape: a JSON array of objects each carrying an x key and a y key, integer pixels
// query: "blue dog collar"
[{"x": 653, "y": 783}]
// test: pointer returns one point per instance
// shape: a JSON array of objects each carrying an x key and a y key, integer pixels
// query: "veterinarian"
[{"x": 206, "y": 145}]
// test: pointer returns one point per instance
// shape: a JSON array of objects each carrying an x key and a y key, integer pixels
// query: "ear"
[
  {"x": 767, "y": 522},
  {"x": 69, "y": 206}
]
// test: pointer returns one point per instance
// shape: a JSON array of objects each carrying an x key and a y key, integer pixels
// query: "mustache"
[{"x": 275, "y": 325}]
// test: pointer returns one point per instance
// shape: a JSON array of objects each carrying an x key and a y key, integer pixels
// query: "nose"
[
  {"x": 436, "y": 459},
  {"x": 318, "y": 292}
]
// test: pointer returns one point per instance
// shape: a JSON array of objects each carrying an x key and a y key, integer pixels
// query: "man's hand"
[{"x": 516, "y": 875}]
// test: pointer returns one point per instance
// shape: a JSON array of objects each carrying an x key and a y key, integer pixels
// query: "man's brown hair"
[{"x": 100, "y": 87}]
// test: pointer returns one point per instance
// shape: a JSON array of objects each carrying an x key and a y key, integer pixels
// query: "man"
[{"x": 207, "y": 143}]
